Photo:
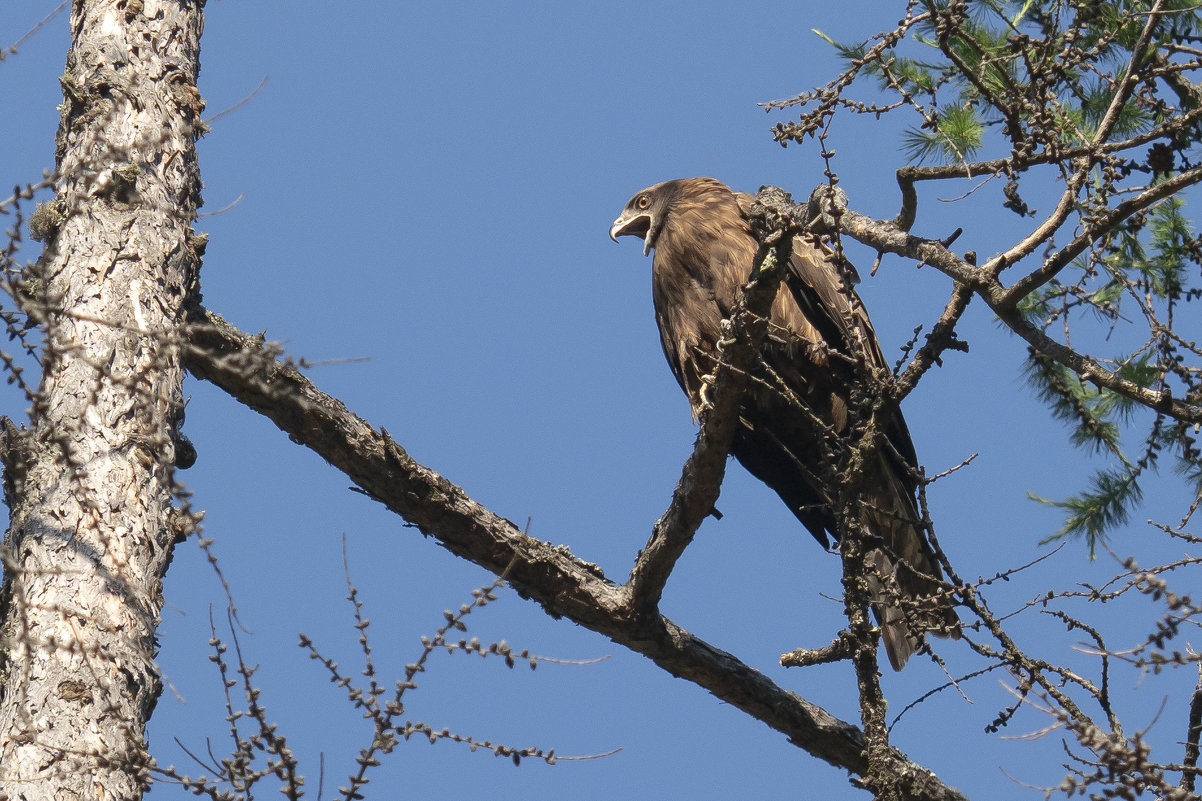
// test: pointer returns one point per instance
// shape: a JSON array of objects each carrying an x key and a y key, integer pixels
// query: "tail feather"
[
  {"x": 902, "y": 571},
  {"x": 899, "y": 642}
]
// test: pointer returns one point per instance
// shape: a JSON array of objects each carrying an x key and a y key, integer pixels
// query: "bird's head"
[{"x": 644, "y": 214}]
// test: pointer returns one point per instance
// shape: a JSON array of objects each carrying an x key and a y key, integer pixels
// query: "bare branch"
[
  {"x": 885, "y": 236},
  {"x": 697, "y": 491},
  {"x": 562, "y": 584}
]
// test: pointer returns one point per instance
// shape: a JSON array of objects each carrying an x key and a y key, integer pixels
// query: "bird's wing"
[
  {"x": 796, "y": 409},
  {"x": 826, "y": 302}
]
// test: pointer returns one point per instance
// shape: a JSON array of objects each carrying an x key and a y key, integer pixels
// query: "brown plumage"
[{"x": 704, "y": 252}]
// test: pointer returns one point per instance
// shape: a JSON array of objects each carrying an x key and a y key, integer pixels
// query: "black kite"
[{"x": 704, "y": 252}]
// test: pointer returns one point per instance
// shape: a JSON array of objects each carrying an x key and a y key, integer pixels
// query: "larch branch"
[
  {"x": 700, "y": 483},
  {"x": 887, "y": 238},
  {"x": 562, "y": 584}
]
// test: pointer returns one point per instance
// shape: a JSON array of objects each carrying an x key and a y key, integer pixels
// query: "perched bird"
[{"x": 800, "y": 390}]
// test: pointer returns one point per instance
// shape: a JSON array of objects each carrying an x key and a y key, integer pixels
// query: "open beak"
[{"x": 638, "y": 225}]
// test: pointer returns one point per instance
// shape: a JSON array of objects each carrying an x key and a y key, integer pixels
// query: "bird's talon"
[
  {"x": 704, "y": 252},
  {"x": 703, "y": 392}
]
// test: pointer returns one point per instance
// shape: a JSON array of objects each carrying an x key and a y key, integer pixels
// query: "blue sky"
[{"x": 421, "y": 195}]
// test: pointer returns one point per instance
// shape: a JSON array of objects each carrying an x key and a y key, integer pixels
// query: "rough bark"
[
  {"x": 550, "y": 575},
  {"x": 89, "y": 484}
]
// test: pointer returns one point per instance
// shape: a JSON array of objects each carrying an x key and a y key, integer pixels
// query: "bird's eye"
[{"x": 643, "y": 202}]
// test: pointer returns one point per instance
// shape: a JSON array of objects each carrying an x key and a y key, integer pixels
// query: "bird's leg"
[
  {"x": 708, "y": 379},
  {"x": 728, "y": 335},
  {"x": 703, "y": 393}
]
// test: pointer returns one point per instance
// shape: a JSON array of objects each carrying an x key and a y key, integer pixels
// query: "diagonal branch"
[
  {"x": 701, "y": 479},
  {"x": 1192, "y": 734},
  {"x": 563, "y": 585},
  {"x": 1131, "y": 76},
  {"x": 888, "y": 238},
  {"x": 1056, "y": 262}
]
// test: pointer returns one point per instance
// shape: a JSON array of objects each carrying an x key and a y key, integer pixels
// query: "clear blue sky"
[{"x": 428, "y": 186}]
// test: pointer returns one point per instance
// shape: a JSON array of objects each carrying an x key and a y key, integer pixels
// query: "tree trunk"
[{"x": 90, "y": 484}]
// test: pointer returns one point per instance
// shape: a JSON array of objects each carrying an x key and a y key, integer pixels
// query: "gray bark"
[
  {"x": 89, "y": 484},
  {"x": 563, "y": 585}
]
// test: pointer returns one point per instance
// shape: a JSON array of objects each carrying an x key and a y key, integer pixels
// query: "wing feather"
[{"x": 819, "y": 339}]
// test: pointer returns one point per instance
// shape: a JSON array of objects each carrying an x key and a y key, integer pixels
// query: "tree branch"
[
  {"x": 701, "y": 479},
  {"x": 886, "y": 237},
  {"x": 1131, "y": 77},
  {"x": 1192, "y": 732},
  {"x": 1106, "y": 222},
  {"x": 562, "y": 584}
]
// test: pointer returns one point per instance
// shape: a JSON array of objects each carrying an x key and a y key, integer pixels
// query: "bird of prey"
[{"x": 799, "y": 394}]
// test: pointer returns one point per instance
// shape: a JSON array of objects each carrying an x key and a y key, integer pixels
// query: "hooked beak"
[{"x": 638, "y": 225}]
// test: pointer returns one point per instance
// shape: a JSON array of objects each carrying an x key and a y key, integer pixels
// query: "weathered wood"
[
  {"x": 93, "y": 523},
  {"x": 549, "y": 575}
]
